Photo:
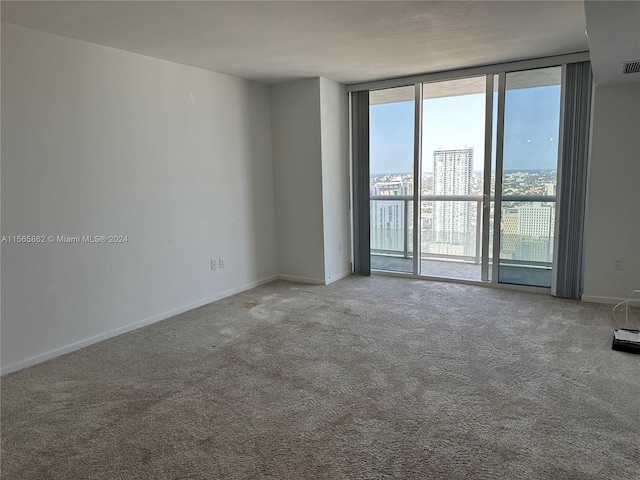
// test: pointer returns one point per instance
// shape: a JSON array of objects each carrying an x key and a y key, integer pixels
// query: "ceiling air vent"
[{"x": 631, "y": 67}]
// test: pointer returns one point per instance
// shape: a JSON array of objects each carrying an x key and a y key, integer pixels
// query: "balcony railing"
[{"x": 391, "y": 230}]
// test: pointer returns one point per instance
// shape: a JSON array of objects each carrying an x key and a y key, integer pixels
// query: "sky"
[{"x": 531, "y": 130}]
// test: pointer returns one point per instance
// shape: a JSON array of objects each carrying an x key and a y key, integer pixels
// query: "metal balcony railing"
[{"x": 406, "y": 202}]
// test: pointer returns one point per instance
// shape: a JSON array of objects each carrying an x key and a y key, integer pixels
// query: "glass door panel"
[
  {"x": 391, "y": 154},
  {"x": 530, "y": 160},
  {"x": 451, "y": 207}
]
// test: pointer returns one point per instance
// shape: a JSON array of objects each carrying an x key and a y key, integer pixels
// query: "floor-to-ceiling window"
[
  {"x": 486, "y": 149},
  {"x": 453, "y": 134},
  {"x": 391, "y": 133},
  {"x": 529, "y": 165}
]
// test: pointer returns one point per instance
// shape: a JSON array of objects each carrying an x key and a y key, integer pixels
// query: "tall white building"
[
  {"x": 534, "y": 220},
  {"x": 527, "y": 232},
  {"x": 452, "y": 175},
  {"x": 400, "y": 187},
  {"x": 389, "y": 218}
]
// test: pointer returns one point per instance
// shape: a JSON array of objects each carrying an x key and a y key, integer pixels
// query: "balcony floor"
[{"x": 512, "y": 274}]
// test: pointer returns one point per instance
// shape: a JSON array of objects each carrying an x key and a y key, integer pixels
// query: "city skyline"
[{"x": 450, "y": 228}]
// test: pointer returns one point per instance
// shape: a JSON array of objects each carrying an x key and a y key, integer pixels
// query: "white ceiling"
[
  {"x": 348, "y": 42},
  {"x": 614, "y": 38}
]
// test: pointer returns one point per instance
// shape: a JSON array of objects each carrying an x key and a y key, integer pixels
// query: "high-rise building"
[
  {"x": 509, "y": 237},
  {"x": 534, "y": 220},
  {"x": 452, "y": 173},
  {"x": 388, "y": 218},
  {"x": 527, "y": 232},
  {"x": 534, "y": 250},
  {"x": 401, "y": 187},
  {"x": 387, "y": 223}
]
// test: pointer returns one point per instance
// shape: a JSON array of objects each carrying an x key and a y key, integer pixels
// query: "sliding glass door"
[
  {"x": 391, "y": 147},
  {"x": 453, "y": 135},
  {"x": 463, "y": 177},
  {"x": 529, "y": 165}
]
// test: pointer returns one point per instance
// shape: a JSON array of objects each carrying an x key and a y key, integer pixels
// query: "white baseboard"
[
  {"x": 340, "y": 276},
  {"x": 293, "y": 278},
  {"x": 128, "y": 328},
  {"x": 604, "y": 300}
]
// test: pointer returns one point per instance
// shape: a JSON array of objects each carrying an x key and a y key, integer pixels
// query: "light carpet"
[{"x": 367, "y": 378}]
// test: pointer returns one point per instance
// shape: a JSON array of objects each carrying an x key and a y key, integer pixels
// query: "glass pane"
[
  {"x": 391, "y": 124},
  {"x": 452, "y": 178},
  {"x": 531, "y": 130}
]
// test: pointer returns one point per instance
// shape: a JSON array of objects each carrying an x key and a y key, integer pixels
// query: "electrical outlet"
[
  {"x": 213, "y": 265},
  {"x": 339, "y": 247},
  {"x": 221, "y": 262},
  {"x": 618, "y": 264}
]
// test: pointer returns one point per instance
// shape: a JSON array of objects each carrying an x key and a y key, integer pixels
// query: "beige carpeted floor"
[{"x": 368, "y": 378}]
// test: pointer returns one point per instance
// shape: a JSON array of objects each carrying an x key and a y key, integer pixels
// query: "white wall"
[
  {"x": 297, "y": 158},
  {"x": 100, "y": 141},
  {"x": 335, "y": 179},
  {"x": 311, "y": 168},
  {"x": 613, "y": 211}
]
